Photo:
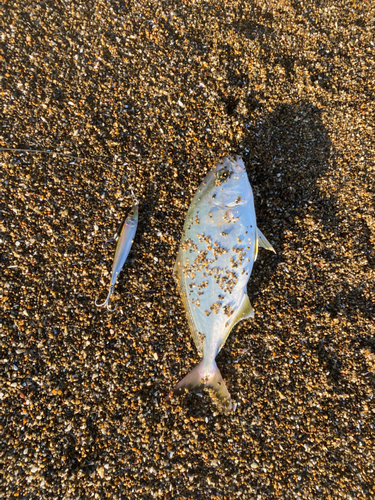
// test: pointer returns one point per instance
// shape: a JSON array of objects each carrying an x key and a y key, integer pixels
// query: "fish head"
[
  {"x": 231, "y": 186},
  {"x": 133, "y": 215}
]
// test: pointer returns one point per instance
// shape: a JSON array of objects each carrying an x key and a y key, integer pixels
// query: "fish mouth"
[{"x": 229, "y": 162}]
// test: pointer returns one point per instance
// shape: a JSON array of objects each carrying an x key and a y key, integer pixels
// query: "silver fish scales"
[
  {"x": 125, "y": 233},
  {"x": 214, "y": 263}
]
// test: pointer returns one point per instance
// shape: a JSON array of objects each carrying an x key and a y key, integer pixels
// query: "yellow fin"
[
  {"x": 177, "y": 267},
  {"x": 245, "y": 311},
  {"x": 178, "y": 276},
  {"x": 256, "y": 245}
]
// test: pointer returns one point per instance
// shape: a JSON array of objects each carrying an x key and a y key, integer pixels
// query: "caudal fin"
[{"x": 199, "y": 377}]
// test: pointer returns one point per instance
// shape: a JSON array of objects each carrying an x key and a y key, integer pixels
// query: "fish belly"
[{"x": 215, "y": 260}]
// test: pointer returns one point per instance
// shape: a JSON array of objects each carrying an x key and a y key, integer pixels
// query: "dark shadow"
[{"x": 287, "y": 153}]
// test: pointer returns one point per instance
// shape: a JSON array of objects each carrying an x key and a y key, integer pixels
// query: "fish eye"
[{"x": 223, "y": 175}]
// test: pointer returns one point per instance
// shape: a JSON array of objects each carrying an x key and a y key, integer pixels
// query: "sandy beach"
[{"x": 148, "y": 96}]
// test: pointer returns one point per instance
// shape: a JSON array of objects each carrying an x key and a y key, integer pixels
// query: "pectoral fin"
[{"x": 263, "y": 242}]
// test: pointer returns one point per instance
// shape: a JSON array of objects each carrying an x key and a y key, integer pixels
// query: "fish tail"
[{"x": 201, "y": 377}]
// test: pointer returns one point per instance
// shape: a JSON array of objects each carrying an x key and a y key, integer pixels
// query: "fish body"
[
  {"x": 125, "y": 242},
  {"x": 214, "y": 263},
  {"x": 125, "y": 234}
]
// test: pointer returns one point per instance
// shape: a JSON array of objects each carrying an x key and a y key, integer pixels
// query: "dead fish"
[
  {"x": 214, "y": 263},
  {"x": 126, "y": 231}
]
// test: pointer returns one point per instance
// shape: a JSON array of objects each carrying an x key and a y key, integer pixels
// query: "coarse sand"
[{"x": 148, "y": 96}]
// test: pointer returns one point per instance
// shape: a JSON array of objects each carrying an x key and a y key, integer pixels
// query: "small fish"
[
  {"x": 214, "y": 263},
  {"x": 126, "y": 230}
]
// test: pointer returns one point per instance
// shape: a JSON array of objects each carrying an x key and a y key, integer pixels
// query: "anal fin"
[{"x": 245, "y": 311}]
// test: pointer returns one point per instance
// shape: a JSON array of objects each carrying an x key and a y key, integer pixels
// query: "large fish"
[{"x": 214, "y": 263}]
